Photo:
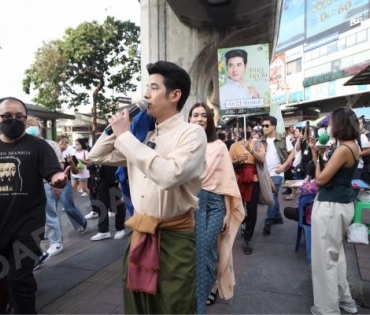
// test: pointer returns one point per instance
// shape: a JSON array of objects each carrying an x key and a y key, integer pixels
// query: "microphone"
[{"x": 135, "y": 109}]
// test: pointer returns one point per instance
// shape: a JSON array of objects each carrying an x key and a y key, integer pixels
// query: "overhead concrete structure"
[{"x": 189, "y": 33}]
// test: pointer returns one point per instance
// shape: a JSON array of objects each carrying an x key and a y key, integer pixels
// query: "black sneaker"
[
  {"x": 247, "y": 247},
  {"x": 242, "y": 229},
  {"x": 279, "y": 221},
  {"x": 82, "y": 229},
  {"x": 44, "y": 257},
  {"x": 267, "y": 229}
]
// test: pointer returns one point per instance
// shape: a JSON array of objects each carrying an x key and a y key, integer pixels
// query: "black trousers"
[
  {"x": 109, "y": 197},
  {"x": 251, "y": 207},
  {"x": 16, "y": 268}
]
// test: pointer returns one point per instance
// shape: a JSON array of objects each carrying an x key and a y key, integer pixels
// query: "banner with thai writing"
[{"x": 243, "y": 74}]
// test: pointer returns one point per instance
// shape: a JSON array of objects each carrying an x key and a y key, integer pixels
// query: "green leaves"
[{"x": 78, "y": 68}]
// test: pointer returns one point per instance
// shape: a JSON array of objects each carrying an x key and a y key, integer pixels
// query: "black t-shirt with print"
[{"x": 23, "y": 166}]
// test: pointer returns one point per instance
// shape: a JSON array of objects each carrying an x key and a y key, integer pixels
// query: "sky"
[{"x": 26, "y": 24}]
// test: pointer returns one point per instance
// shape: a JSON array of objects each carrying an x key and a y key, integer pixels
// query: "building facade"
[{"x": 321, "y": 45}]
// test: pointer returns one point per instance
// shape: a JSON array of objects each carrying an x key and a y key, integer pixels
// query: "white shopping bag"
[{"x": 357, "y": 233}]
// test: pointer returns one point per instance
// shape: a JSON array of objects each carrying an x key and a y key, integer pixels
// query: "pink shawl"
[{"x": 220, "y": 179}]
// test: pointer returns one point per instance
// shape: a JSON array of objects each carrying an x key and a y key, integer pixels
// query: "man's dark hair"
[
  {"x": 10, "y": 98},
  {"x": 272, "y": 120},
  {"x": 221, "y": 136},
  {"x": 174, "y": 77},
  {"x": 211, "y": 129},
  {"x": 237, "y": 53},
  {"x": 345, "y": 125}
]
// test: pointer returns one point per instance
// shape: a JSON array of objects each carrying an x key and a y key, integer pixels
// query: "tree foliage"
[{"x": 85, "y": 65}]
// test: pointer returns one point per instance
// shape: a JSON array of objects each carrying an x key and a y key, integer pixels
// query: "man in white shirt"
[
  {"x": 364, "y": 148},
  {"x": 279, "y": 153}
]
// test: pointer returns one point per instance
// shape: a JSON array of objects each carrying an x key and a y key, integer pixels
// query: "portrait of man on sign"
[{"x": 242, "y": 77}]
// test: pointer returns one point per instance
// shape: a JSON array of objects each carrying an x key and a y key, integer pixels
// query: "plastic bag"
[
  {"x": 363, "y": 195},
  {"x": 357, "y": 233},
  {"x": 80, "y": 166}
]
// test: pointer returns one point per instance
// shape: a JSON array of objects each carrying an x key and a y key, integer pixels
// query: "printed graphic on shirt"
[{"x": 10, "y": 177}]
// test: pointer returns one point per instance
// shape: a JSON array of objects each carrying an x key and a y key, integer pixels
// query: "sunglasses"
[{"x": 266, "y": 126}]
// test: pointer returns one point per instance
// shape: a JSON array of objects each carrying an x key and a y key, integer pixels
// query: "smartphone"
[{"x": 74, "y": 159}]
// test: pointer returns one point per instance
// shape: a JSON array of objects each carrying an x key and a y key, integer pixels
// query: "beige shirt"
[{"x": 164, "y": 182}]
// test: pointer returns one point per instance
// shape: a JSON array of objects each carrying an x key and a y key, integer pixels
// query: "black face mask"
[{"x": 13, "y": 128}]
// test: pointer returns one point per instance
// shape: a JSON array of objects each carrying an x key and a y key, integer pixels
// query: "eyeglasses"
[
  {"x": 266, "y": 126},
  {"x": 19, "y": 117}
]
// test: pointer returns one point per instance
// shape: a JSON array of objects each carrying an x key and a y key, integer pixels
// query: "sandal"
[
  {"x": 211, "y": 298},
  {"x": 290, "y": 197}
]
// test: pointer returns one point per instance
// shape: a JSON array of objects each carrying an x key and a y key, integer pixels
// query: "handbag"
[{"x": 266, "y": 197}]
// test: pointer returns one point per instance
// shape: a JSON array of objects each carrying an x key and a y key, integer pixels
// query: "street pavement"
[{"x": 85, "y": 278}]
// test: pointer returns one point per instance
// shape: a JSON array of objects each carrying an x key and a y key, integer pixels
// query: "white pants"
[{"x": 330, "y": 221}]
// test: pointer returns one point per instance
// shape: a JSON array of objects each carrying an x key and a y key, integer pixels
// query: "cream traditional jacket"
[{"x": 164, "y": 181}]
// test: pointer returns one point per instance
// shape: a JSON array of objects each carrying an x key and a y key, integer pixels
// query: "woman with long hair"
[
  {"x": 218, "y": 218},
  {"x": 84, "y": 174},
  {"x": 331, "y": 215}
]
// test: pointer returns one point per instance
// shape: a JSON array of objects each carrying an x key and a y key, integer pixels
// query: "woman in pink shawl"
[{"x": 218, "y": 218}]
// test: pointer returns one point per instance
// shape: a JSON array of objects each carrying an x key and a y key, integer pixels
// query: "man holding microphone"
[{"x": 165, "y": 174}]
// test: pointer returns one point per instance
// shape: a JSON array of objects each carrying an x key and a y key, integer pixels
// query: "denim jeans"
[
  {"x": 74, "y": 215},
  {"x": 273, "y": 211},
  {"x": 52, "y": 231}
]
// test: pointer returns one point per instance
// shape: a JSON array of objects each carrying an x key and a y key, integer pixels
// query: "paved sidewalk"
[{"x": 85, "y": 278}]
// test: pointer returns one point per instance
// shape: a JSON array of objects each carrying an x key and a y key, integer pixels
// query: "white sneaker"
[
  {"x": 349, "y": 307},
  {"x": 91, "y": 215},
  {"x": 55, "y": 248},
  {"x": 119, "y": 234},
  {"x": 80, "y": 191},
  {"x": 84, "y": 195},
  {"x": 111, "y": 214},
  {"x": 101, "y": 236}
]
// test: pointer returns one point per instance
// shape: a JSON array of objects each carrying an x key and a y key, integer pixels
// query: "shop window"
[
  {"x": 361, "y": 37},
  {"x": 351, "y": 40},
  {"x": 332, "y": 47},
  {"x": 294, "y": 66}
]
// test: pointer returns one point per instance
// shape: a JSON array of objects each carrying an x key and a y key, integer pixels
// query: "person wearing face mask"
[
  {"x": 22, "y": 223},
  {"x": 84, "y": 174},
  {"x": 220, "y": 213},
  {"x": 53, "y": 195}
]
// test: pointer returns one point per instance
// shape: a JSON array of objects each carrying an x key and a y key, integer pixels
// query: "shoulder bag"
[{"x": 266, "y": 197}]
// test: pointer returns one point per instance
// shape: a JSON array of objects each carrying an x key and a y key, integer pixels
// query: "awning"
[
  {"x": 46, "y": 114},
  {"x": 363, "y": 77}
]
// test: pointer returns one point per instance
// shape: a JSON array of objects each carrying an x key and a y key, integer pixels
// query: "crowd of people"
[{"x": 192, "y": 187}]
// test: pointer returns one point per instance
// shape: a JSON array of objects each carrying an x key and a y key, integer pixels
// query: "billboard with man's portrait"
[{"x": 243, "y": 74}]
